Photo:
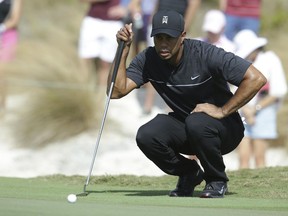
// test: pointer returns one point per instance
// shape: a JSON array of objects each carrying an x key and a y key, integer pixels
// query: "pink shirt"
[{"x": 250, "y": 8}]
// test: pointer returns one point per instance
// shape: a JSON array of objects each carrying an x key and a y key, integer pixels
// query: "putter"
[{"x": 113, "y": 78}]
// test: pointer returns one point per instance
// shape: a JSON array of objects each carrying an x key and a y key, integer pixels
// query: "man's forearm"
[{"x": 252, "y": 82}]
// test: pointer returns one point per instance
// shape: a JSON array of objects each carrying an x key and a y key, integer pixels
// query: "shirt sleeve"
[
  {"x": 226, "y": 65},
  {"x": 135, "y": 70}
]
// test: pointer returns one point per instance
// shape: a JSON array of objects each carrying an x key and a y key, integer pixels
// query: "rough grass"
[
  {"x": 46, "y": 71},
  {"x": 55, "y": 115}
]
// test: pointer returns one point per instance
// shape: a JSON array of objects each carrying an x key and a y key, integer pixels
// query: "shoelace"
[{"x": 209, "y": 187}]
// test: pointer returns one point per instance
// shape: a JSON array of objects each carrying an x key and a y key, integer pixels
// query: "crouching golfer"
[{"x": 191, "y": 76}]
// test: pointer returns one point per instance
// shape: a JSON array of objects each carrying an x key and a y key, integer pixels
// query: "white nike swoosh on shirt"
[{"x": 193, "y": 78}]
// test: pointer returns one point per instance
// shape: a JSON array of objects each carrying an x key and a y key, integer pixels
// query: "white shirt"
[{"x": 270, "y": 65}]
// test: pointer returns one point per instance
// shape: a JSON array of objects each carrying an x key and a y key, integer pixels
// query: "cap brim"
[{"x": 170, "y": 32}]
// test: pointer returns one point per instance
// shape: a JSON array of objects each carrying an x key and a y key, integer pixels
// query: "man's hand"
[
  {"x": 125, "y": 34},
  {"x": 209, "y": 109}
]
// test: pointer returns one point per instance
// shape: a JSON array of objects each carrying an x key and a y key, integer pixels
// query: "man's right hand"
[{"x": 125, "y": 34}]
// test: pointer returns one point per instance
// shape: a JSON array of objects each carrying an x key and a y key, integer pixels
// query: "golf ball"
[{"x": 72, "y": 198}]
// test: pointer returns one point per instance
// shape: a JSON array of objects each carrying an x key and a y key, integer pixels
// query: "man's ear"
[{"x": 183, "y": 35}]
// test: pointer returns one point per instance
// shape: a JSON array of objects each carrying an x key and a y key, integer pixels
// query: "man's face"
[{"x": 167, "y": 47}]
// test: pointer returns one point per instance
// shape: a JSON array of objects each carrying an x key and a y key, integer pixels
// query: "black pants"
[{"x": 163, "y": 139}]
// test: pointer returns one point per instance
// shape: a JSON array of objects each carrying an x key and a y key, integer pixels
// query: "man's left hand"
[{"x": 209, "y": 109}]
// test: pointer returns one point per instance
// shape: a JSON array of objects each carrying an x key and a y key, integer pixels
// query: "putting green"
[
  {"x": 90, "y": 206},
  {"x": 251, "y": 192}
]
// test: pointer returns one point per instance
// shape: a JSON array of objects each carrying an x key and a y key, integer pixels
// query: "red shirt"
[
  {"x": 100, "y": 9},
  {"x": 250, "y": 8}
]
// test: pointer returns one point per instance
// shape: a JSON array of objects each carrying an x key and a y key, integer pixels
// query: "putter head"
[{"x": 82, "y": 194}]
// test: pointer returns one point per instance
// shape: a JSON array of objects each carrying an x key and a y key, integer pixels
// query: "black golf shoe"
[
  {"x": 186, "y": 184},
  {"x": 215, "y": 189}
]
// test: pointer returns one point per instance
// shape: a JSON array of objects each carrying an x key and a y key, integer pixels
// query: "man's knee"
[
  {"x": 144, "y": 137},
  {"x": 196, "y": 125}
]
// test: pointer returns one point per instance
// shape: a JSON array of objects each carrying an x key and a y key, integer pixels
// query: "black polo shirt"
[{"x": 200, "y": 77}]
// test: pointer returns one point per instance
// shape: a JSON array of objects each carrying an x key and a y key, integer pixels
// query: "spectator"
[
  {"x": 97, "y": 37},
  {"x": 10, "y": 13},
  {"x": 141, "y": 12},
  {"x": 241, "y": 14},
  {"x": 261, "y": 112},
  {"x": 125, "y": 8},
  {"x": 214, "y": 27}
]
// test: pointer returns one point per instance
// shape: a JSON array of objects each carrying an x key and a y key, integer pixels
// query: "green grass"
[{"x": 251, "y": 192}]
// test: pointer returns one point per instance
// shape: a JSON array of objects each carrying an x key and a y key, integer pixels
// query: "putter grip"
[{"x": 117, "y": 60}]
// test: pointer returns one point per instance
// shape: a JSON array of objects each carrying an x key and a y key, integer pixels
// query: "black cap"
[{"x": 167, "y": 22}]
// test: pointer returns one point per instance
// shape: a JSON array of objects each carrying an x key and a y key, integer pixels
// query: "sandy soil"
[{"x": 117, "y": 152}]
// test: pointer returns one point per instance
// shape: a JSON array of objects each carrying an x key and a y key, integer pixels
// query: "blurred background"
[{"x": 49, "y": 105}]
